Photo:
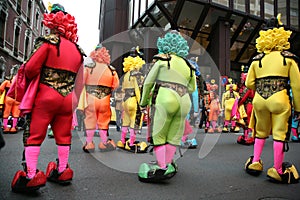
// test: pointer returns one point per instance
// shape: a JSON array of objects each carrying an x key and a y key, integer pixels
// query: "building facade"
[
  {"x": 226, "y": 30},
  {"x": 20, "y": 25}
]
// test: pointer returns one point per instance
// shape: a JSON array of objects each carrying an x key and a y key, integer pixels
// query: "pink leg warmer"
[
  {"x": 32, "y": 155},
  {"x": 246, "y": 133},
  {"x": 258, "y": 148},
  {"x": 214, "y": 124},
  {"x": 15, "y": 121},
  {"x": 278, "y": 155},
  {"x": 123, "y": 134},
  {"x": 170, "y": 152},
  {"x": 89, "y": 135},
  {"x": 233, "y": 123},
  {"x": 132, "y": 136},
  {"x": 226, "y": 123},
  {"x": 63, "y": 157},
  {"x": 207, "y": 124},
  {"x": 103, "y": 136},
  {"x": 5, "y": 122},
  {"x": 184, "y": 137},
  {"x": 160, "y": 152}
]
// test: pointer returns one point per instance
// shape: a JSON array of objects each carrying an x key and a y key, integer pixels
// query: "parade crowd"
[{"x": 73, "y": 91}]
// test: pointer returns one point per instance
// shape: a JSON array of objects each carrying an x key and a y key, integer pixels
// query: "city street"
[{"x": 212, "y": 171}]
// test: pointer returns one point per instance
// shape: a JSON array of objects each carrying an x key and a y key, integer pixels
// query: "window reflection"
[
  {"x": 190, "y": 14},
  {"x": 222, "y": 2},
  {"x": 247, "y": 55},
  {"x": 269, "y": 9},
  {"x": 159, "y": 17},
  {"x": 255, "y": 7},
  {"x": 282, "y": 10},
  {"x": 247, "y": 30},
  {"x": 239, "y": 5},
  {"x": 294, "y": 13}
]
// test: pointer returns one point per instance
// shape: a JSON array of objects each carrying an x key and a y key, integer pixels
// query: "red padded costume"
[{"x": 54, "y": 107}]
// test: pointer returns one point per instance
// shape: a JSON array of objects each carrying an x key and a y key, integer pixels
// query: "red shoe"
[
  {"x": 21, "y": 183},
  {"x": 53, "y": 175}
]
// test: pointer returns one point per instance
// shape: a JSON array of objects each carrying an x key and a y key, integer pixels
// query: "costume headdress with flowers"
[
  {"x": 100, "y": 55},
  {"x": 244, "y": 72},
  {"x": 173, "y": 43},
  {"x": 273, "y": 37},
  {"x": 231, "y": 85},
  {"x": 131, "y": 63},
  {"x": 58, "y": 19}
]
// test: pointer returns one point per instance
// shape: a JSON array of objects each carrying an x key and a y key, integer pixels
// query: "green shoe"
[{"x": 153, "y": 173}]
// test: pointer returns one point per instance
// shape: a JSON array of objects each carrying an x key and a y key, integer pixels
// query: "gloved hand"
[{"x": 143, "y": 109}]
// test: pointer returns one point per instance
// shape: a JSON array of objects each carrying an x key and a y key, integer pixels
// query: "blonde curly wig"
[
  {"x": 131, "y": 63},
  {"x": 275, "y": 39}
]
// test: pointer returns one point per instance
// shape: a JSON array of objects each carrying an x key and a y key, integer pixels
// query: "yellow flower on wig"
[
  {"x": 131, "y": 63},
  {"x": 275, "y": 39}
]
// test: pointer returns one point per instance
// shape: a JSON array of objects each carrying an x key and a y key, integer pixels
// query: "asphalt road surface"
[{"x": 212, "y": 171}]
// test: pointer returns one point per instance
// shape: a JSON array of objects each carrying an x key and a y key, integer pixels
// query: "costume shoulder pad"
[
  {"x": 259, "y": 56},
  {"x": 288, "y": 54},
  {"x": 191, "y": 66},
  {"x": 51, "y": 38},
  {"x": 80, "y": 50},
  {"x": 164, "y": 57},
  {"x": 111, "y": 68}
]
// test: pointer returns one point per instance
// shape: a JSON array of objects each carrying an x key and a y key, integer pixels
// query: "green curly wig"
[{"x": 173, "y": 43}]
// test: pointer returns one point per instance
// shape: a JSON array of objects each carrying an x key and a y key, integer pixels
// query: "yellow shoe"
[
  {"x": 236, "y": 129},
  {"x": 253, "y": 168},
  {"x": 142, "y": 146},
  {"x": 120, "y": 144},
  {"x": 225, "y": 130},
  {"x": 290, "y": 174}
]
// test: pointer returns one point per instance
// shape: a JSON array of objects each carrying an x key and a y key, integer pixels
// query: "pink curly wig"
[
  {"x": 101, "y": 55},
  {"x": 63, "y": 23}
]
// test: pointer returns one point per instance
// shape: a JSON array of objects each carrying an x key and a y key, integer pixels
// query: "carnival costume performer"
[
  {"x": 214, "y": 112},
  {"x": 131, "y": 86},
  {"x": 245, "y": 110},
  {"x": 169, "y": 84},
  {"x": 228, "y": 99},
  {"x": 100, "y": 80},
  {"x": 11, "y": 105},
  {"x": 294, "y": 128},
  {"x": 214, "y": 108},
  {"x": 193, "y": 114},
  {"x": 54, "y": 68},
  {"x": 271, "y": 74}
]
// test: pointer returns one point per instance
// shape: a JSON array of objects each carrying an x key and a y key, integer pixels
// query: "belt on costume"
[
  {"x": 60, "y": 80},
  {"x": 98, "y": 91},
  {"x": 268, "y": 86},
  {"x": 180, "y": 89},
  {"x": 129, "y": 92}
]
